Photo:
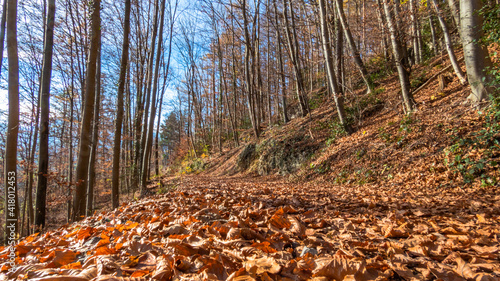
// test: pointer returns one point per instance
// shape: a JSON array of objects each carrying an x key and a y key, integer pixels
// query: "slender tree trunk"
[
  {"x": 2, "y": 32},
  {"x": 433, "y": 35},
  {"x": 149, "y": 137},
  {"x": 449, "y": 45},
  {"x": 11, "y": 204},
  {"x": 286, "y": 119},
  {"x": 404, "y": 80},
  {"x": 95, "y": 140},
  {"x": 31, "y": 214},
  {"x": 70, "y": 154},
  {"x": 248, "y": 75},
  {"x": 332, "y": 80},
  {"x": 454, "y": 12},
  {"x": 339, "y": 50},
  {"x": 352, "y": 45},
  {"x": 149, "y": 83},
  {"x": 414, "y": 27},
  {"x": 82, "y": 168},
  {"x": 115, "y": 184},
  {"x": 43, "y": 156},
  {"x": 293, "y": 49},
  {"x": 477, "y": 60}
]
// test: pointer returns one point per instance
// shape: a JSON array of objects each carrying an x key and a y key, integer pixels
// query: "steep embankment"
[{"x": 388, "y": 147}]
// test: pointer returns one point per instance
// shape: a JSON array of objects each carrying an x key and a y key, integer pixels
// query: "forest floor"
[
  {"x": 380, "y": 204},
  {"x": 266, "y": 228}
]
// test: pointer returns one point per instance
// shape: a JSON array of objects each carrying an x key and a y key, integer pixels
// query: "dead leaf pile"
[{"x": 242, "y": 229}]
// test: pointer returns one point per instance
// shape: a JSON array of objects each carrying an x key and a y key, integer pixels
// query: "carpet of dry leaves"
[{"x": 208, "y": 228}]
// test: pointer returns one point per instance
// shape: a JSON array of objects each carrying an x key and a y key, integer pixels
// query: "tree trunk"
[
  {"x": 286, "y": 119},
  {"x": 149, "y": 83},
  {"x": 455, "y": 12},
  {"x": 433, "y": 35},
  {"x": 115, "y": 184},
  {"x": 404, "y": 80},
  {"x": 332, "y": 80},
  {"x": 352, "y": 45},
  {"x": 43, "y": 154},
  {"x": 415, "y": 33},
  {"x": 248, "y": 75},
  {"x": 82, "y": 167},
  {"x": 449, "y": 44},
  {"x": 70, "y": 154},
  {"x": 150, "y": 124},
  {"x": 2, "y": 32},
  {"x": 293, "y": 50},
  {"x": 11, "y": 204},
  {"x": 477, "y": 60},
  {"x": 95, "y": 139}
]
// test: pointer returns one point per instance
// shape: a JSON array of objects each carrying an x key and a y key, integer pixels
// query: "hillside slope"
[{"x": 387, "y": 148}]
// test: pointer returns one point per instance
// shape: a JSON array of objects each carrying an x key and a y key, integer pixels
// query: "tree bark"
[
  {"x": 2, "y": 32},
  {"x": 449, "y": 44},
  {"x": 477, "y": 60},
  {"x": 95, "y": 139},
  {"x": 82, "y": 167},
  {"x": 11, "y": 204},
  {"x": 433, "y": 36},
  {"x": 115, "y": 182},
  {"x": 43, "y": 154},
  {"x": 454, "y": 12}
]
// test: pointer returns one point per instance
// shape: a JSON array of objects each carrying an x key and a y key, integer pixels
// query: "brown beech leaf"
[
  {"x": 164, "y": 268},
  {"x": 107, "y": 265},
  {"x": 139, "y": 273},
  {"x": 403, "y": 271},
  {"x": 444, "y": 273},
  {"x": 264, "y": 264},
  {"x": 105, "y": 250},
  {"x": 337, "y": 267},
  {"x": 214, "y": 268},
  {"x": 61, "y": 257},
  {"x": 183, "y": 264},
  {"x": 280, "y": 221},
  {"x": 391, "y": 232},
  {"x": 264, "y": 246},
  {"x": 306, "y": 264},
  {"x": 297, "y": 227}
]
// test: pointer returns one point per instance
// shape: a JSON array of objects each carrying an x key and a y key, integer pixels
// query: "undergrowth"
[{"x": 476, "y": 157}]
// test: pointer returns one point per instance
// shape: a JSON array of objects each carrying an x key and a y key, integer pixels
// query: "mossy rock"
[
  {"x": 284, "y": 157},
  {"x": 246, "y": 157}
]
